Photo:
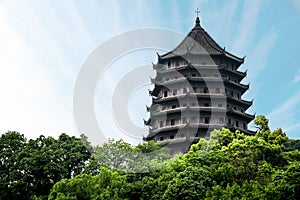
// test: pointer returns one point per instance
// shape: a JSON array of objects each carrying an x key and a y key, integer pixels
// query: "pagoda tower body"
[{"x": 197, "y": 89}]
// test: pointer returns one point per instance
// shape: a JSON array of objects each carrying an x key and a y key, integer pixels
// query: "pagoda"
[{"x": 197, "y": 89}]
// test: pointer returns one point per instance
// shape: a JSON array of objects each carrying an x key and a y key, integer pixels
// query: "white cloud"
[
  {"x": 284, "y": 115},
  {"x": 297, "y": 77},
  {"x": 39, "y": 58},
  {"x": 259, "y": 54},
  {"x": 246, "y": 28},
  {"x": 297, "y": 3},
  {"x": 221, "y": 22},
  {"x": 31, "y": 87}
]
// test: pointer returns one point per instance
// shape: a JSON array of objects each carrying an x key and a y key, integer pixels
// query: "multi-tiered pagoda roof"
[{"x": 197, "y": 89}]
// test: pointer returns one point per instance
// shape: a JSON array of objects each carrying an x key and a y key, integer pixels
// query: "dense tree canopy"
[
  {"x": 228, "y": 166},
  {"x": 31, "y": 168}
]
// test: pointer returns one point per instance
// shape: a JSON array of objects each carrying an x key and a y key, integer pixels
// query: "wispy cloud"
[
  {"x": 297, "y": 4},
  {"x": 285, "y": 115},
  {"x": 34, "y": 75},
  {"x": 246, "y": 28},
  {"x": 259, "y": 53},
  {"x": 241, "y": 31},
  {"x": 297, "y": 77}
]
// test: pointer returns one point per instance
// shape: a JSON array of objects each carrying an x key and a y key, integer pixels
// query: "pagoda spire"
[{"x": 197, "y": 11}]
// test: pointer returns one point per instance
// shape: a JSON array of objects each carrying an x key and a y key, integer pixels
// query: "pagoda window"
[
  {"x": 206, "y": 104},
  {"x": 242, "y": 111},
  {"x": 161, "y": 138},
  {"x": 172, "y": 122},
  {"x": 244, "y": 126},
  {"x": 177, "y": 63},
  {"x": 172, "y": 137},
  {"x": 173, "y": 106},
  {"x": 234, "y": 108},
  {"x": 221, "y": 120},
  {"x": 195, "y": 89},
  {"x": 218, "y": 90},
  {"x": 237, "y": 123},
  {"x": 175, "y": 92},
  {"x": 161, "y": 124},
  {"x": 165, "y": 93},
  {"x": 205, "y": 90},
  {"x": 229, "y": 121},
  {"x": 184, "y": 90},
  {"x": 206, "y": 120},
  {"x": 201, "y": 119},
  {"x": 193, "y": 119},
  {"x": 226, "y": 91},
  {"x": 169, "y": 64},
  {"x": 193, "y": 75},
  {"x": 231, "y": 93},
  {"x": 228, "y": 106},
  {"x": 185, "y": 75},
  {"x": 238, "y": 96},
  {"x": 232, "y": 67}
]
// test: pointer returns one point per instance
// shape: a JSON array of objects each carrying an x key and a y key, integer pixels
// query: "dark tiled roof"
[{"x": 198, "y": 41}]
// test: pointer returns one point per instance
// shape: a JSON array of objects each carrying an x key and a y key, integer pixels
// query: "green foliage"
[
  {"x": 106, "y": 185},
  {"x": 147, "y": 156},
  {"x": 30, "y": 169},
  {"x": 114, "y": 154},
  {"x": 247, "y": 190},
  {"x": 12, "y": 185},
  {"x": 192, "y": 183},
  {"x": 227, "y": 166},
  {"x": 291, "y": 145},
  {"x": 262, "y": 123}
]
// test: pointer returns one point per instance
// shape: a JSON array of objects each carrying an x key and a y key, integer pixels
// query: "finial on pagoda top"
[{"x": 197, "y": 11}]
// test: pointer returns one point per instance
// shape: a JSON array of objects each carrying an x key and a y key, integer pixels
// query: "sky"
[{"x": 43, "y": 45}]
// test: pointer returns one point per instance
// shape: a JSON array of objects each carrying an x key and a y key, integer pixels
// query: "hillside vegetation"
[{"x": 228, "y": 166}]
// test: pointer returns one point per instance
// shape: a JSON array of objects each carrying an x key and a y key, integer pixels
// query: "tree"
[
  {"x": 192, "y": 183},
  {"x": 11, "y": 145},
  {"x": 31, "y": 168},
  {"x": 291, "y": 145},
  {"x": 108, "y": 184},
  {"x": 262, "y": 123},
  {"x": 47, "y": 161},
  {"x": 72, "y": 154},
  {"x": 285, "y": 183},
  {"x": 114, "y": 154},
  {"x": 231, "y": 165},
  {"x": 147, "y": 156}
]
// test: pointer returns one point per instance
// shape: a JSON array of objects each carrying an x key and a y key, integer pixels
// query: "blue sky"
[{"x": 43, "y": 45}]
